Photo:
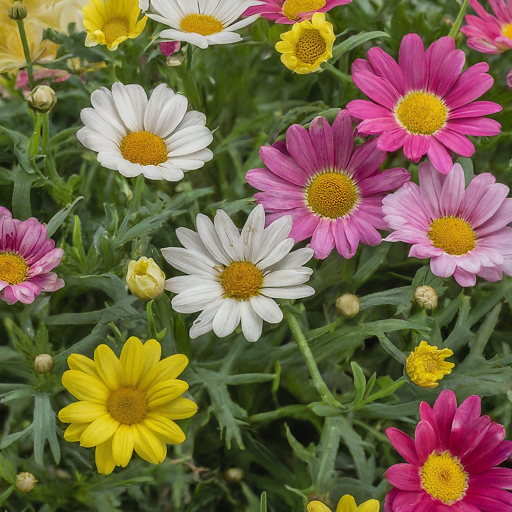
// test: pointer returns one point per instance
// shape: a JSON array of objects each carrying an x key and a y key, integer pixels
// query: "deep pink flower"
[
  {"x": 26, "y": 258},
  {"x": 169, "y": 47},
  {"x": 332, "y": 191},
  {"x": 463, "y": 231},
  {"x": 424, "y": 103},
  {"x": 451, "y": 462},
  {"x": 292, "y": 11},
  {"x": 487, "y": 33}
]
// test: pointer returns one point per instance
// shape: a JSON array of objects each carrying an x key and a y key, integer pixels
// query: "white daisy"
[
  {"x": 201, "y": 22},
  {"x": 158, "y": 137},
  {"x": 233, "y": 277}
]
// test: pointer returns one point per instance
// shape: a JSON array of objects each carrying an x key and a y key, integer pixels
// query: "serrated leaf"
[{"x": 45, "y": 429}]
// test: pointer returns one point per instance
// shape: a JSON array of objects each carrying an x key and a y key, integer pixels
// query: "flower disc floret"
[
  {"x": 13, "y": 269},
  {"x": 293, "y": 8},
  {"x": 203, "y": 24},
  {"x": 241, "y": 280},
  {"x": 127, "y": 405},
  {"x": 507, "y": 30},
  {"x": 144, "y": 148},
  {"x": 332, "y": 194},
  {"x": 453, "y": 235},
  {"x": 421, "y": 113}
]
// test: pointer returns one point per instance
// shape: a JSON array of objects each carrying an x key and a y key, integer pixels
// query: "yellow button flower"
[
  {"x": 126, "y": 404},
  {"x": 346, "y": 504},
  {"x": 145, "y": 279},
  {"x": 426, "y": 365},
  {"x": 307, "y": 44}
]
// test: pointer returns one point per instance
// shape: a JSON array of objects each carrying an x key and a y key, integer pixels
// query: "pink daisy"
[
  {"x": 451, "y": 461},
  {"x": 291, "y": 11},
  {"x": 332, "y": 191},
  {"x": 463, "y": 231},
  {"x": 423, "y": 103},
  {"x": 26, "y": 258},
  {"x": 487, "y": 33}
]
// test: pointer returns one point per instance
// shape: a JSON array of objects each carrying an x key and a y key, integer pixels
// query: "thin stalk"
[
  {"x": 456, "y": 26},
  {"x": 33, "y": 146},
  {"x": 26, "y": 51}
]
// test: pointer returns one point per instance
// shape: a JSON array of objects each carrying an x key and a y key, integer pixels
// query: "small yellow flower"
[
  {"x": 426, "y": 365},
  {"x": 145, "y": 279},
  {"x": 307, "y": 44},
  {"x": 111, "y": 22},
  {"x": 346, "y": 504},
  {"x": 126, "y": 404}
]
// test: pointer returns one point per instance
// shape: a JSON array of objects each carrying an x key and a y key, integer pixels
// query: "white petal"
[
  {"x": 171, "y": 173},
  {"x": 189, "y": 37},
  {"x": 96, "y": 123},
  {"x": 171, "y": 115},
  {"x": 204, "y": 322},
  {"x": 197, "y": 298},
  {"x": 181, "y": 284},
  {"x": 156, "y": 103},
  {"x": 287, "y": 277},
  {"x": 227, "y": 318},
  {"x": 276, "y": 254},
  {"x": 129, "y": 170},
  {"x": 252, "y": 232},
  {"x": 192, "y": 118},
  {"x": 252, "y": 324},
  {"x": 292, "y": 292},
  {"x": 243, "y": 23},
  {"x": 267, "y": 309},
  {"x": 189, "y": 140},
  {"x": 229, "y": 236},
  {"x": 224, "y": 37},
  {"x": 153, "y": 172},
  {"x": 191, "y": 240},
  {"x": 273, "y": 235},
  {"x": 93, "y": 140},
  {"x": 193, "y": 161},
  {"x": 206, "y": 231},
  {"x": 294, "y": 260},
  {"x": 190, "y": 262},
  {"x": 131, "y": 102},
  {"x": 110, "y": 160}
]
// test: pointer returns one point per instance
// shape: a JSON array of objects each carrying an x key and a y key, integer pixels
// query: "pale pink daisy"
[
  {"x": 332, "y": 191},
  {"x": 487, "y": 33},
  {"x": 26, "y": 258},
  {"x": 292, "y": 11},
  {"x": 424, "y": 103},
  {"x": 463, "y": 231}
]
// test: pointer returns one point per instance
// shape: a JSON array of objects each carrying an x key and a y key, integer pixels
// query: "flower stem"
[
  {"x": 456, "y": 26},
  {"x": 26, "y": 51}
]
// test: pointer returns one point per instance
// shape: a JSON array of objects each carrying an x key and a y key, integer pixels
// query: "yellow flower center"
[
  {"x": 203, "y": 24},
  {"x": 127, "y": 405},
  {"x": 310, "y": 46},
  {"x": 444, "y": 478},
  {"x": 115, "y": 28},
  {"x": 421, "y": 113},
  {"x": 241, "y": 280},
  {"x": 507, "y": 31},
  {"x": 292, "y": 8},
  {"x": 453, "y": 235},
  {"x": 13, "y": 269},
  {"x": 332, "y": 195},
  {"x": 144, "y": 148}
]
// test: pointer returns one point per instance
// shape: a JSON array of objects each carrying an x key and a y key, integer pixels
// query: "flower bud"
[
  {"x": 17, "y": 11},
  {"x": 170, "y": 47},
  {"x": 509, "y": 79},
  {"x": 348, "y": 305},
  {"x": 426, "y": 297},
  {"x": 145, "y": 279},
  {"x": 42, "y": 99},
  {"x": 44, "y": 363},
  {"x": 234, "y": 476},
  {"x": 25, "y": 482},
  {"x": 175, "y": 60}
]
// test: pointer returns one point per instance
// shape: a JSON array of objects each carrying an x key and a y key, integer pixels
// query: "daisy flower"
[
  {"x": 201, "y": 22},
  {"x": 426, "y": 365},
  {"x": 463, "y": 231},
  {"x": 332, "y": 190},
  {"x": 451, "y": 463},
  {"x": 346, "y": 504},
  {"x": 291, "y": 11},
  {"x": 26, "y": 258},
  {"x": 126, "y": 404},
  {"x": 233, "y": 277},
  {"x": 307, "y": 45},
  {"x": 424, "y": 103},
  {"x": 159, "y": 138},
  {"x": 487, "y": 33}
]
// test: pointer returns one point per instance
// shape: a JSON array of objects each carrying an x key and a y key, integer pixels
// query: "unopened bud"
[
  {"x": 145, "y": 279},
  {"x": 509, "y": 79},
  {"x": 426, "y": 297},
  {"x": 17, "y": 11},
  {"x": 42, "y": 99},
  {"x": 348, "y": 304},
  {"x": 25, "y": 482},
  {"x": 175, "y": 60},
  {"x": 234, "y": 476},
  {"x": 44, "y": 363}
]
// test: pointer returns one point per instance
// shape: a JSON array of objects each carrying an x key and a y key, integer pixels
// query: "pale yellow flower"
[
  {"x": 426, "y": 365},
  {"x": 145, "y": 279},
  {"x": 346, "y": 504}
]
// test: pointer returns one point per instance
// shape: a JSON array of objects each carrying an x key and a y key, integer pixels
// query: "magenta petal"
[
  {"x": 447, "y": 73},
  {"x": 391, "y": 141},
  {"x": 444, "y": 411},
  {"x": 488, "y": 503},
  {"x": 386, "y": 67},
  {"x": 427, "y": 414},
  {"x": 389, "y": 179},
  {"x": 300, "y": 147},
  {"x": 495, "y": 477},
  {"x": 343, "y": 136},
  {"x": 282, "y": 166},
  {"x": 457, "y": 142},
  {"x": 377, "y": 89},
  {"x": 347, "y": 240},
  {"x": 476, "y": 109},
  {"x": 493, "y": 458},
  {"x": 425, "y": 440},
  {"x": 404, "y": 445},
  {"x": 266, "y": 180},
  {"x": 439, "y": 156},
  {"x": 489, "y": 203},
  {"x": 469, "y": 91},
  {"x": 435, "y": 55},
  {"x": 304, "y": 227},
  {"x": 361, "y": 65},
  {"x": 463, "y": 423},
  {"x": 390, "y": 498},
  {"x": 377, "y": 125},
  {"x": 481, "y": 127},
  {"x": 412, "y": 62},
  {"x": 322, "y": 241},
  {"x": 321, "y": 135},
  {"x": 365, "y": 160},
  {"x": 416, "y": 146},
  {"x": 364, "y": 109},
  {"x": 407, "y": 501},
  {"x": 404, "y": 477},
  {"x": 452, "y": 192}
]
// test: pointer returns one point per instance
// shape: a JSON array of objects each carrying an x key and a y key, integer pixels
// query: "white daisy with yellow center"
[{"x": 157, "y": 137}]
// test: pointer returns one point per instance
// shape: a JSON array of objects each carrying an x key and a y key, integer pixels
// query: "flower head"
[
  {"x": 424, "y": 103},
  {"x": 346, "y": 504},
  {"x": 451, "y": 463},
  {"x": 426, "y": 297},
  {"x": 145, "y": 279},
  {"x": 159, "y": 138},
  {"x": 126, "y": 404},
  {"x": 25, "y": 482},
  {"x": 291, "y": 11},
  {"x": 463, "y": 231},
  {"x": 307, "y": 45},
  {"x": 110, "y": 22},
  {"x": 233, "y": 277},
  {"x": 426, "y": 365},
  {"x": 201, "y": 23},
  {"x": 487, "y": 33},
  {"x": 332, "y": 190},
  {"x": 26, "y": 258}
]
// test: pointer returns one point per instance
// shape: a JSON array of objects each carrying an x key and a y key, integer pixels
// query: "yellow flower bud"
[
  {"x": 42, "y": 99},
  {"x": 44, "y": 363},
  {"x": 145, "y": 279},
  {"x": 426, "y": 297},
  {"x": 348, "y": 305},
  {"x": 17, "y": 11},
  {"x": 426, "y": 365},
  {"x": 25, "y": 482}
]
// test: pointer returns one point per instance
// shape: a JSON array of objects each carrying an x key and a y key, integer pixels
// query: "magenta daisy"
[
  {"x": 463, "y": 231},
  {"x": 487, "y": 33},
  {"x": 332, "y": 191},
  {"x": 451, "y": 462},
  {"x": 26, "y": 258},
  {"x": 291, "y": 11},
  {"x": 424, "y": 103}
]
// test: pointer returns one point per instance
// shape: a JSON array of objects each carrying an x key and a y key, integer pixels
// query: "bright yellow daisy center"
[
  {"x": 241, "y": 280},
  {"x": 421, "y": 113},
  {"x": 507, "y": 31},
  {"x": 203, "y": 24},
  {"x": 144, "y": 148},
  {"x": 426, "y": 365},
  {"x": 115, "y": 28},
  {"x": 127, "y": 405},
  {"x": 13, "y": 269},
  {"x": 453, "y": 235},
  {"x": 332, "y": 194},
  {"x": 444, "y": 478},
  {"x": 310, "y": 46},
  {"x": 292, "y": 8}
]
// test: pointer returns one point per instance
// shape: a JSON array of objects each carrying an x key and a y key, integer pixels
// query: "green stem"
[
  {"x": 46, "y": 131},
  {"x": 302, "y": 343},
  {"x": 343, "y": 77},
  {"x": 26, "y": 51},
  {"x": 33, "y": 146},
  {"x": 456, "y": 26}
]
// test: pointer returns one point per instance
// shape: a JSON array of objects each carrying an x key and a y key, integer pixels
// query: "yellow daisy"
[
  {"x": 346, "y": 504},
  {"x": 126, "y": 404},
  {"x": 307, "y": 44},
  {"x": 426, "y": 365},
  {"x": 111, "y": 22}
]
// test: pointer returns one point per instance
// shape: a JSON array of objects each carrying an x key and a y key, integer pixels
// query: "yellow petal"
[
  {"x": 347, "y": 504},
  {"x": 178, "y": 409},
  {"x": 148, "y": 445},
  {"x": 104, "y": 460},
  {"x": 317, "y": 506},
  {"x": 152, "y": 354},
  {"x": 122, "y": 444},
  {"x": 85, "y": 387},
  {"x": 132, "y": 361},
  {"x": 369, "y": 506},
  {"x": 82, "y": 412},
  {"x": 167, "y": 369},
  {"x": 82, "y": 364},
  {"x": 167, "y": 429},
  {"x": 108, "y": 366},
  {"x": 99, "y": 431},
  {"x": 74, "y": 431},
  {"x": 163, "y": 392}
]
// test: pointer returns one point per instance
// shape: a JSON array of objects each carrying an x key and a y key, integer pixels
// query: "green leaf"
[
  {"x": 359, "y": 381},
  {"x": 57, "y": 220},
  {"x": 7, "y": 469},
  {"x": 12, "y": 438},
  {"x": 21, "y": 194},
  {"x": 390, "y": 348},
  {"x": 263, "y": 502},
  {"x": 45, "y": 429},
  {"x": 353, "y": 42},
  {"x": 6, "y": 494}
]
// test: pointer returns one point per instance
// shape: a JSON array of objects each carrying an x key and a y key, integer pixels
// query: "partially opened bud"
[
  {"x": 234, "y": 475},
  {"x": 145, "y": 279},
  {"x": 42, "y": 99},
  {"x": 175, "y": 60},
  {"x": 25, "y": 482},
  {"x": 17, "y": 11},
  {"x": 348, "y": 305},
  {"x": 44, "y": 363},
  {"x": 426, "y": 297}
]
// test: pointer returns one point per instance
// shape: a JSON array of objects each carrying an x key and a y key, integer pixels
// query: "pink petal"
[
  {"x": 448, "y": 73},
  {"x": 499, "y": 220},
  {"x": 282, "y": 166},
  {"x": 489, "y": 203},
  {"x": 322, "y": 241},
  {"x": 443, "y": 266},
  {"x": 346, "y": 238},
  {"x": 300, "y": 147},
  {"x": 363, "y": 109},
  {"x": 435, "y": 55},
  {"x": 452, "y": 192},
  {"x": 391, "y": 141},
  {"x": 404, "y": 477},
  {"x": 366, "y": 159},
  {"x": 304, "y": 227},
  {"x": 404, "y": 445},
  {"x": 377, "y": 126},
  {"x": 439, "y": 156},
  {"x": 343, "y": 139},
  {"x": 377, "y": 89},
  {"x": 468, "y": 91},
  {"x": 481, "y": 127},
  {"x": 266, "y": 180},
  {"x": 455, "y": 141},
  {"x": 476, "y": 189},
  {"x": 412, "y": 62},
  {"x": 416, "y": 146},
  {"x": 321, "y": 135},
  {"x": 386, "y": 67},
  {"x": 389, "y": 179},
  {"x": 464, "y": 278},
  {"x": 475, "y": 109}
]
